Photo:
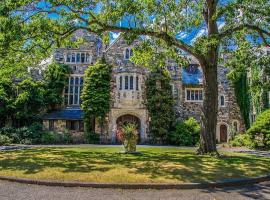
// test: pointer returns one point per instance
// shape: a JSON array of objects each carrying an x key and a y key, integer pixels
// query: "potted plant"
[{"x": 128, "y": 135}]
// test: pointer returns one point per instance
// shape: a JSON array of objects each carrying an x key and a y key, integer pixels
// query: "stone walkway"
[{"x": 17, "y": 191}]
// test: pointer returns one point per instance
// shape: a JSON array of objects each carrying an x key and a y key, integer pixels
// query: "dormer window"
[{"x": 128, "y": 53}]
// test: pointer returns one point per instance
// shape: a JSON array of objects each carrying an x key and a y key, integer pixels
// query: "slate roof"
[
  {"x": 65, "y": 114},
  {"x": 192, "y": 75}
]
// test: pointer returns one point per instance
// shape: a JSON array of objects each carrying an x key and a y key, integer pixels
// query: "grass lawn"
[{"x": 105, "y": 164}]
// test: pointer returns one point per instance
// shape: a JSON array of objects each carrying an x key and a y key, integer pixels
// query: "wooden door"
[{"x": 223, "y": 133}]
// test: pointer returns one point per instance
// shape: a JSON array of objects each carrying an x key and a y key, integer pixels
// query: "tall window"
[
  {"x": 235, "y": 126},
  {"x": 131, "y": 82},
  {"x": 128, "y": 53},
  {"x": 195, "y": 95},
  {"x": 78, "y": 58},
  {"x": 126, "y": 82},
  {"x": 83, "y": 58},
  {"x": 87, "y": 58},
  {"x": 68, "y": 57},
  {"x": 73, "y": 91},
  {"x": 222, "y": 101},
  {"x": 137, "y": 83},
  {"x": 121, "y": 83},
  {"x": 73, "y": 58}
]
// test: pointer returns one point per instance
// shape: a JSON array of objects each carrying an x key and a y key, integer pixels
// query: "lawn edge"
[{"x": 158, "y": 186}]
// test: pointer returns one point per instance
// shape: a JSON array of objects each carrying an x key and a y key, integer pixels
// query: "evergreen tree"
[{"x": 96, "y": 94}]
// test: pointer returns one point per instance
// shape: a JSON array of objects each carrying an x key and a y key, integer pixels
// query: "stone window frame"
[
  {"x": 128, "y": 53},
  {"x": 237, "y": 124},
  {"x": 75, "y": 87},
  {"x": 78, "y": 57},
  {"x": 194, "y": 100},
  {"x": 124, "y": 82},
  {"x": 220, "y": 101}
]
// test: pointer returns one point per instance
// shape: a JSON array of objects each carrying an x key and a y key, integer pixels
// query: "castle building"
[{"x": 128, "y": 92}]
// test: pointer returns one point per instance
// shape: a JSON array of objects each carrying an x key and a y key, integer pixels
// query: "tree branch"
[{"x": 257, "y": 29}]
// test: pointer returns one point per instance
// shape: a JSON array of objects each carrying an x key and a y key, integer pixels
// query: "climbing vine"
[
  {"x": 55, "y": 78},
  {"x": 249, "y": 69},
  {"x": 159, "y": 102},
  {"x": 96, "y": 94}
]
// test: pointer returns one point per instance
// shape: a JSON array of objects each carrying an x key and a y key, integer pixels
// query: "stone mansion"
[{"x": 127, "y": 93}]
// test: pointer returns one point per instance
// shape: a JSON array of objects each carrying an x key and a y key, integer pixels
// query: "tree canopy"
[{"x": 38, "y": 26}]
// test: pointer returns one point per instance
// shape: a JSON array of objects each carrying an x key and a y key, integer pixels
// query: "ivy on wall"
[
  {"x": 55, "y": 78},
  {"x": 159, "y": 102},
  {"x": 96, "y": 94},
  {"x": 241, "y": 90}
]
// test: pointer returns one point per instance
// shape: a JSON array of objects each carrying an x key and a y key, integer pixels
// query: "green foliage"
[
  {"x": 55, "y": 79},
  {"x": 260, "y": 130},
  {"x": 24, "y": 135},
  {"x": 243, "y": 60},
  {"x": 7, "y": 98},
  {"x": 159, "y": 102},
  {"x": 96, "y": 93},
  {"x": 91, "y": 137},
  {"x": 5, "y": 140},
  {"x": 186, "y": 133},
  {"x": 129, "y": 137},
  {"x": 30, "y": 101},
  {"x": 55, "y": 138},
  {"x": 242, "y": 140}
]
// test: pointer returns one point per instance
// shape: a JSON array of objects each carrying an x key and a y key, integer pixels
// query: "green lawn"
[{"x": 105, "y": 164}]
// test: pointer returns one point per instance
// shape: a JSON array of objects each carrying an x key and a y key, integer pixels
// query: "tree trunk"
[{"x": 209, "y": 112}]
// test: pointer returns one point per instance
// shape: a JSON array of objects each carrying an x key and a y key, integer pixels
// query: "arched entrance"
[
  {"x": 223, "y": 133},
  {"x": 129, "y": 119}
]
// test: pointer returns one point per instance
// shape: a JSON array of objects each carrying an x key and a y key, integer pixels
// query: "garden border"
[{"x": 218, "y": 184}]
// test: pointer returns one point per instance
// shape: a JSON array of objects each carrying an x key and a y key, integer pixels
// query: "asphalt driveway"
[{"x": 17, "y": 191}]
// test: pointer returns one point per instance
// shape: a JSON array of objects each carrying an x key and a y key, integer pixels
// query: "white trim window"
[
  {"x": 79, "y": 57},
  {"x": 222, "y": 101},
  {"x": 128, "y": 53},
  {"x": 128, "y": 82},
  {"x": 73, "y": 90},
  {"x": 194, "y": 95}
]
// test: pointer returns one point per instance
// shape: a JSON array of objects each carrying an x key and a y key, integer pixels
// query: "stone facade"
[{"x": 128, "y": 90}]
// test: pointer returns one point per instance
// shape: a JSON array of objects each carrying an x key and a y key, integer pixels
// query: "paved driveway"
[{"x": 17, "y": 191}]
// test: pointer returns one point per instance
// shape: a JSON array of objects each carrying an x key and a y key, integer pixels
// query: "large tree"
[{"x": 219, "y": 21}]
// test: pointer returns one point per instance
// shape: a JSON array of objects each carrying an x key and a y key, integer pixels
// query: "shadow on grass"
[{"x": 169, "y": 164}]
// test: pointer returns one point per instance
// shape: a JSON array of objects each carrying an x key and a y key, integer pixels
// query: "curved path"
[{"x": 17, "y": 191}]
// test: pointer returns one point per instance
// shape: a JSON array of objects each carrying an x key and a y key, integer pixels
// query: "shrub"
[
  {"x": 128, "y": 135},
  {"x": 24, "y": 135},
  {"x": 5, "y": 140},
  {"x": 242, "y": 140},
  {"x": 91, "y": 138},
  {"x": 260, "y": 131},
  {"x": 186, "y": 133},
  {"x": 55, "y": 138}
]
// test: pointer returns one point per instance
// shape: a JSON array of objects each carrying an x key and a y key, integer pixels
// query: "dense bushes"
[
  {"x": 186, "y": 133},
  {"x": 260, "y": 131},
  {"x": 242, "y": 140},
  {"x": 56, "y": 138},
  {"x": 24, "y": 135},
  {"x": 5, "y": 140}
]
